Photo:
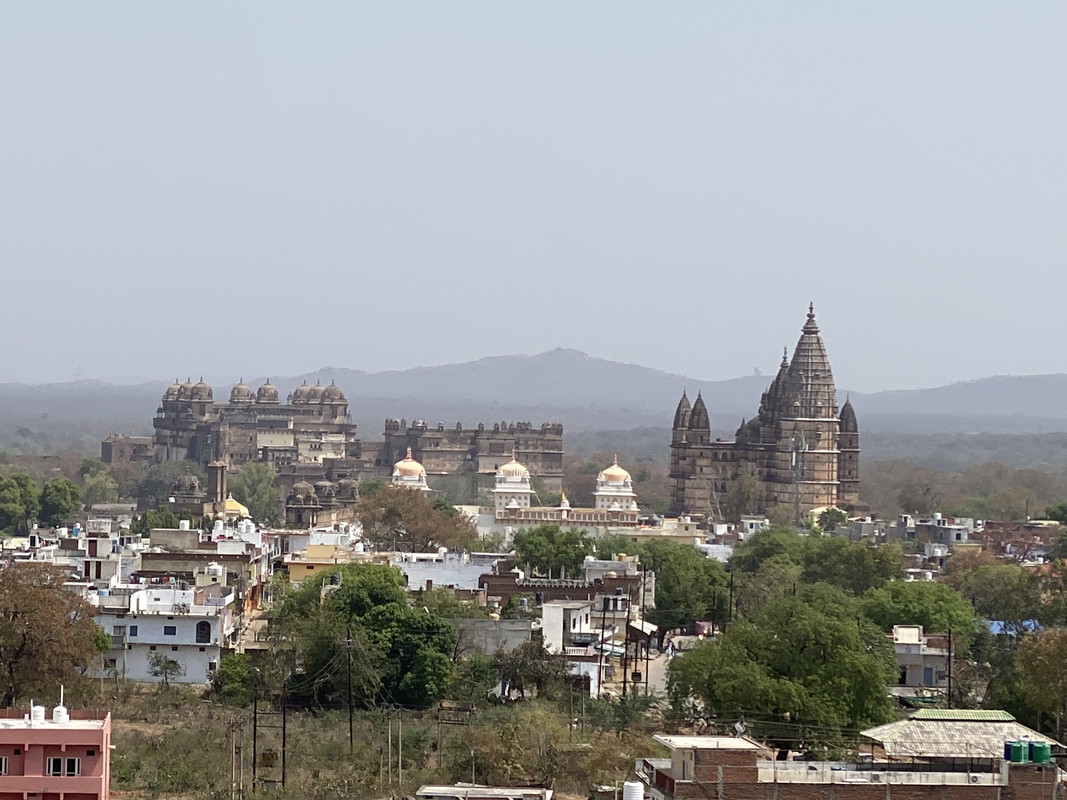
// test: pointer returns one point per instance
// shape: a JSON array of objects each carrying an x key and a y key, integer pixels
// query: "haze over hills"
[{"x": 586, "y": 393}]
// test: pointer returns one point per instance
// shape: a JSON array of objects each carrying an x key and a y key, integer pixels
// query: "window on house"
[
  {"x": 90, "y": 752},
  {"x": 74, "y": 766},
  {"x": 54, "y": 766},
  {"x": 133, "y": 630},
  {"x": 151, "y": 647},
  {"x": 212, "y": 666},
  {"x": 174, "y": 648},
  {"x": 203, "y": 649},
  {"x": 118, "y": 630},
  {"x": 170, "y": 630},
  {"x": 203, "y": 632},
  {"x": 109, "y": 663},
  {"x": 3, "y": 765}
]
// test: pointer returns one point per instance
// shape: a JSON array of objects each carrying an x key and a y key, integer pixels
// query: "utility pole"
[
  {"x": 400, "y": 749},
  {"x": 351, "y": 737},
  {"x": 626, "y": 649},
  {"x": 255, "y": 738},
  {"x": 950, "y": 667},
  {"x": 389, "y": 740}
]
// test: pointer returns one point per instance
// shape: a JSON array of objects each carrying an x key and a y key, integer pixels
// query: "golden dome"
[
  {"x": 513, "y": 469},
  {"x": 408, "y": 467},
  {"x": 615, "y": 473}
]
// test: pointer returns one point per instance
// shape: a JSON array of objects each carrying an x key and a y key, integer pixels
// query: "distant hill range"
[{"x": 584, "y": 392}]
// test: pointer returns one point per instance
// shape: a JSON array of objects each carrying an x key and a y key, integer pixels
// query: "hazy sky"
[{"x": 265, "y": 188}]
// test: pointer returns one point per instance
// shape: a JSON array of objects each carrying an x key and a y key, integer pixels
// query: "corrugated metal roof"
[
  {"x": 950, "y": 738},
  {"x": 962, "y": 715}
]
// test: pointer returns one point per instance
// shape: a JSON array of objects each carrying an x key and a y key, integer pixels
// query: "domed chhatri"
[
  {"x": 185, "y": 391},
  {"x": 333, "y": 394},
  {"x": 241, "y": 393},
  {"x": 302, "y": 394},
  {"x": 316, "y": 392},
  {"x": 172, "y": 391},
  {"x": 267, "y": 393},
  {"x": 202, "y": 392}
]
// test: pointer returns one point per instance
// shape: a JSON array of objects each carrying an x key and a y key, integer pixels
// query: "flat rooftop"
[{"x": 708, "y": 742}]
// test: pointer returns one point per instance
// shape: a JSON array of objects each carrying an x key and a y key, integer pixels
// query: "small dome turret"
[
  {"x": 333, "y": 394},
  {"x": 172, "y": 391},
  {"x": 316, "y": 392},
  {"x": 185, "y": 391},
  {"x": 303, "y": 488},
  {"x": 301, "y": 394},
  {"x": 186, "y": 484},
  {"x": 201, "y": 391},
  {"x": 267, "y": 393},
  {"x": 241, "y": 393}
]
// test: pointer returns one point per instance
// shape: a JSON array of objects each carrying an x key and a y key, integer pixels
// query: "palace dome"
[
  {"x": 241, "y": 393},
  {"x": 267, "y": 393},
  {"x": 201, "y": 391},
  {"x": 185, "y": 391},
  {"x": 303, "y": 488},
  {"x": 301, "y": 394},
  {"x": 316, "y": 392},
  {"x": 333, "y": 394},
  {"x": 186, "y": 484},
  {"x": 172, "y": 391}
]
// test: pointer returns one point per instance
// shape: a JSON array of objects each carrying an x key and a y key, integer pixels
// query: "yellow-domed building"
[
  {"x": 409, "y": 473},
  {"x": 615, "y": 503},
  {"x": 615, "y": 490}
]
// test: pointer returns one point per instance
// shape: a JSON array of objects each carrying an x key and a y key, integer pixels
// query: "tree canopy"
[
  {"x": 60, "y": 499},
  {"x": 399, "y": 654},
  {"x": 936, "y": 606},
  {"x": 806, "y": 667},
  {"x": 47, "y": 633},
  {"x": 399, "y": 518},
  {"x": 20, "y": 503},
  {"x": 256, "y": 487},
  {"x": 551, "y": 550}
]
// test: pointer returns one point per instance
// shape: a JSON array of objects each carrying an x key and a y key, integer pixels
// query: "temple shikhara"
[{"x": 800, "y": 451}]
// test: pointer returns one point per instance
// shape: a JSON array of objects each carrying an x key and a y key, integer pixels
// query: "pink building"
[{"x": 65, "y": 757}]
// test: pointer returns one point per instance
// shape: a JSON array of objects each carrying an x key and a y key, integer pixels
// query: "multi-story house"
[
  {"x": 66, "y": 756},
  {"x": 190, "y": 625}
]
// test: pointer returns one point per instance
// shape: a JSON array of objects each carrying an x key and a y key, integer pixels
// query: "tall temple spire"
[{"x": 810, "y": 390}]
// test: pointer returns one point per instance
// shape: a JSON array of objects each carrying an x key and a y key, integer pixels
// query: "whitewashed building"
[{"x": 191, "y": 625}]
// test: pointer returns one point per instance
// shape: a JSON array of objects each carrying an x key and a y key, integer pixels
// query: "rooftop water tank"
[
  {"x": 36, "y": 713},
  {"x": 633, "y": 790}
]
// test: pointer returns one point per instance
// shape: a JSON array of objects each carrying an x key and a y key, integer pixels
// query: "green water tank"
[
  {"x": 1040, "y": 752},
  {"x": 1020, "y": 752}
]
